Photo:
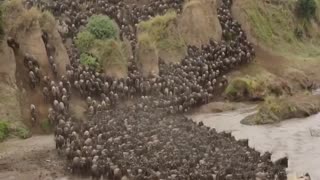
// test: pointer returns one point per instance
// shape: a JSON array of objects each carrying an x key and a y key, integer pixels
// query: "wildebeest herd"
[{"x": 149, "y": 138}]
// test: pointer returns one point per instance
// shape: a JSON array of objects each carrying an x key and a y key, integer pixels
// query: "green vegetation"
[
  {"x": 18, "y": 19},
  {"x": 45, "y": 126},
  {"x": 47, "y": 21},
  {"x": 102, "y": 27},
  {"x": 276, "y": 25},
  {"x": 84, "y": 41},
  {"x": 22, "y": 132},
  {"x": 161, "y": 31},
  {"x": 4, "y": 130},
  {"x": 99, "y": 44},
  {"x": 89, "y": 61},
  {"x": 286, "y": 107},
  {"x": 306, "y": 9},
  {"x": 245, "y": 88},
  {"x": 110, "y": 52}
]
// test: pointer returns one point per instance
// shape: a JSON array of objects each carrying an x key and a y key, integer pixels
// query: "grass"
[
  {"x": 4, "y": 130},
  {"x": 110, "y": 52},
  {"x": 18, "y": 19},
  {"x": 84, "y": 41},
  {"x": 160, "y": 30},
  {"x": 22, "y": 132},
  {"x": 275, "y": 25},
  {"x": 45, "y": 126},
  {"x": 146, "y": 43},
  {"x": 47, "y": 22},
  {"x": 245, "y": 88},
  {"x": 276, "y": 109}
]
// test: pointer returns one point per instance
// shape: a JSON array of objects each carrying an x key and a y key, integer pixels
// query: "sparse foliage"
[
  {"x": 110, "y": 52},
  {"x": 47, "y": 21},
  {"x": 306, "y": 8},
  {"x": 84, "y": 41},
  {"x": 17, "y": 18},
  {"x": 22, "y": 132},
  {"x": 4, "y": 130}
]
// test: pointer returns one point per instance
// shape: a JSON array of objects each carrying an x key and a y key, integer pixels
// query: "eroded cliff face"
[
  {"x": 16, "y": 94},
  {"x": 199, "y": 22},
  {"x": 196, "y": 25},
  {"x": 9, "y": 93}
]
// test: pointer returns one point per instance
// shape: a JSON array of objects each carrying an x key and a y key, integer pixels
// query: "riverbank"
[{"x": 290, "y": 138}]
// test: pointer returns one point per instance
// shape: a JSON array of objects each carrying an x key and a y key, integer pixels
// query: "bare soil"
[{"x": 32, "y": 159}]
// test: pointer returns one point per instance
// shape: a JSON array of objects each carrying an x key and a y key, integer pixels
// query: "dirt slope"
[
  {"x": 198, "y": 22},
  {"x": 9, "y": 94}
]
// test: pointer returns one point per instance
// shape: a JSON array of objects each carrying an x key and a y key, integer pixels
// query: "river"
[{"x": 291, "y": 138}]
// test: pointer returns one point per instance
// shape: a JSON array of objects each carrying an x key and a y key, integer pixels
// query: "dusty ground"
[{"x": 32, "y": 159}]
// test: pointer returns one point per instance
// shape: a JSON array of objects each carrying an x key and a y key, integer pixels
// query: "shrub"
[
  {"x": 306, "y": 8},
  {"x": 4, "y": 130},
  {"x": 90, "y": 61},
  {"x": 13, "y": 6},
  {"x": 245, "y": 88},
  {"x": 17, "y": 18},
  {"x": 22, "y": 132},
  {"x": 160, "y": 29},
  {"x": 84, "y": 41},
  {"x": 47, "y": 21},
  {"x": 157, "y": 26},
  {"x": 102, "y": 27},
  {"x": 110, "y": 52}
]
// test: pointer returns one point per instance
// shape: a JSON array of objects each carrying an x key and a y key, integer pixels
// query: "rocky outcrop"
[{"x": 199, "y": 22}]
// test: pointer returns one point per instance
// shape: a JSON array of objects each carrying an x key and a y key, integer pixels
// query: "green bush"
[
  {"x": 90, "y": 61},
  {"x": 102, "y": 27},
  {"x": 84, "y": 41},
  {"x": 22, "y": 132},
  {"x": 306, "y": 8},
  {"x": 4, "y": 130}
]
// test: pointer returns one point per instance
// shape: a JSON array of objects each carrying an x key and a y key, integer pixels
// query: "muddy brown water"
[{"x": 298, "y": 139}]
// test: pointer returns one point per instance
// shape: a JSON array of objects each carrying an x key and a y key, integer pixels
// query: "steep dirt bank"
[
  {"x": 281, "y": 68},
  {"x": 9, "y": 103},
  {"x": 16, "y": 92},
  {"x": 166, "y": 37}
]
